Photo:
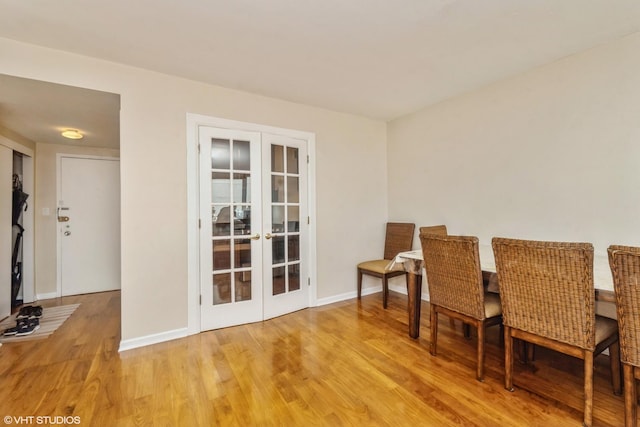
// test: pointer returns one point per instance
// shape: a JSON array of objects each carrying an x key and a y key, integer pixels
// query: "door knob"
[
  {"x": 267, "y": 236},
  {"x": 255, "y": 237},
  {"x": 67, "y": 233}
]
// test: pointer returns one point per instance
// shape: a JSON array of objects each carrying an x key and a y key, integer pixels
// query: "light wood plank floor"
[{"x": 349, "y": 363}]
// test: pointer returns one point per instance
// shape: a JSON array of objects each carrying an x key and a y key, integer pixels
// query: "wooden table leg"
[{"x": 414, "y": 289}]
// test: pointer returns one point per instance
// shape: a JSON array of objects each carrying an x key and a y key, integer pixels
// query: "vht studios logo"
[{"x": 42, "y": 420}]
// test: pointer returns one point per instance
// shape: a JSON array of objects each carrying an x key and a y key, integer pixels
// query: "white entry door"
[
  {"x": 252, "y": 245},
  {"x": 88, "y": 218}
]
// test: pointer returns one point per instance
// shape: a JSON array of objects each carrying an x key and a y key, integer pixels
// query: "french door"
[
  {"x": 285, "y": 267},
  {"x": 253, "y": 255}
]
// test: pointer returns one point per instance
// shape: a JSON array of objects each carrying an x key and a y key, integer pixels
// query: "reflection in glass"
[
  {"x": 242, "y": 250},
  {"x": 220, "y": 149},
  {"x": 277, "y": 219},
  {"x": 294, "y": 248},
  {"x": 220, "y": 191},
  {"x": 293, "y": 218},
  {"x": 277, "y": 247},
  {"x": 243, "y": 219},
  {"x": 277, "y": 158},
  {"x": 221, "y": 254},
  {"x": 293, "y": 192},
  {"x": 277, "y": 189},
  {"x": 279, "y": 285},
  {"x": 243, "y": 285},
  {"x": 241, "y": 159},
  {"x": 292, "y": 160},
  {"x": 221, "y": 221},
  {"x": 239, "y": 227},
  {"x": 214, "y": 214},
  {"x": 242, "y": 188},
  {"x": 221, "y": 288},
  {"x": 294, "y": 277}
]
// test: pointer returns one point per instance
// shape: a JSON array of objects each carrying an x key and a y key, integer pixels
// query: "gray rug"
[{"x": 52, "y": 318}]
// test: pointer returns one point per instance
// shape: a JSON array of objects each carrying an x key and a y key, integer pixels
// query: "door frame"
[
  {"x": 28, "y": 218},
  {"x": 59, "y": 157},
  {"x": 193, "y": 177}
]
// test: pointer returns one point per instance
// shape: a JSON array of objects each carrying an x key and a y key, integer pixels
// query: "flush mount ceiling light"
[{"x": 72, "y": 134}]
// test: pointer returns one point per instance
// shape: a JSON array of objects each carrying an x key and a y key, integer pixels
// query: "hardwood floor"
[{"x": 349, "y": 363}]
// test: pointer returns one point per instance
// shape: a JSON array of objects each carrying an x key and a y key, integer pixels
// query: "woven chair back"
[
  {"x": 625, "y": 268},
  {"x": 399, "y": 238},
  {"x": 433, "y": 229},
  {"x": 453, "y": 271},
  {"x": 546, "y": 288}
]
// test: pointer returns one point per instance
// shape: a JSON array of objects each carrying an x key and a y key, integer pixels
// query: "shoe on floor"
[
  {"x": 19, "y": 324},
  {"x": 24, "y": 312},
  {"x": 10, "y": 331},
  {"x": 36, "y": 312},
  {"x": 30, "y": 312},
  {"x": 28, "y": 327}
]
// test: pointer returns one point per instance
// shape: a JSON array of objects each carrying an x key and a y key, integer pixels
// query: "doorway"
[
  {"x": 34, "y": 116},
  {"x": 252, "y": 200}
]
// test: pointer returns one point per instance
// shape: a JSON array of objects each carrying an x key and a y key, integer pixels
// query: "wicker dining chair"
[
  {"x": 399, "y": 238},
  {"x": 625, "y": 269},
  {"x": 433, "y": 229},
  {"x": 548, "y": 299},
  {"x": 454, "y": 277}
]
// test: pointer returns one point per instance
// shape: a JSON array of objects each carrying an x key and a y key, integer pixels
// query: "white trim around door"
[{"x": 194, "y": 121}]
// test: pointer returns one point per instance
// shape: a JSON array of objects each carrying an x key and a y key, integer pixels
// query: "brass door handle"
[
  {"x": 255, "y": 237},
  {"x": 267, "y": 236}
]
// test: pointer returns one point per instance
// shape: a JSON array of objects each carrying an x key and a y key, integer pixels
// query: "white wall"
[
  {"x": 551, "y": 154},
  {"x": 351, "y": 176}
]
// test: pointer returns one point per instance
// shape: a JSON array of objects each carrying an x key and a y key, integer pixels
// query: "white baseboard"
[
  {"x": 399, "y": 289},
  {"x": 152, "y": 339},
  {"x": 403, "y": 290},
  {"x": 366, "y": 291},
  {"x": 48, "y": 295},
  {"x": 347, "y": 295}
]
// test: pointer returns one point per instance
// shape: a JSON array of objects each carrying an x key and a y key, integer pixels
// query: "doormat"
[{"x": 52, "y": 318}]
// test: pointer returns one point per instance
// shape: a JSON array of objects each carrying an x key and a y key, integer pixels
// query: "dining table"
[{"x": 412, "y": 263}]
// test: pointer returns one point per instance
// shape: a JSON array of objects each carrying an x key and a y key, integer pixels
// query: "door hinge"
[
  {"x": 200, "y": 299},
  {"x": 198, "y": 148},
  {"x": 199, "y": 223},
  {"x": 307, "y": 159},
  {"x": 308, "y": 220},
  {"x": 308, "y": 281}
]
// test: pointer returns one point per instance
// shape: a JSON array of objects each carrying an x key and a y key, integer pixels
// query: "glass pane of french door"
[
  {"x": 230, "y": 203},
  {"x": 284, "y": 262},
  {"x": 285, "y": 197}
]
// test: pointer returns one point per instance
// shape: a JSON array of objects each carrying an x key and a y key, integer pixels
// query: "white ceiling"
[
  {"x": 377, "y": 58},
  {"x": 40, "y": 111}
]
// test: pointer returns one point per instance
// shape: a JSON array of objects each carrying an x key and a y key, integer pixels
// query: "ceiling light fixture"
[{"x": 72, "y": 134}]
